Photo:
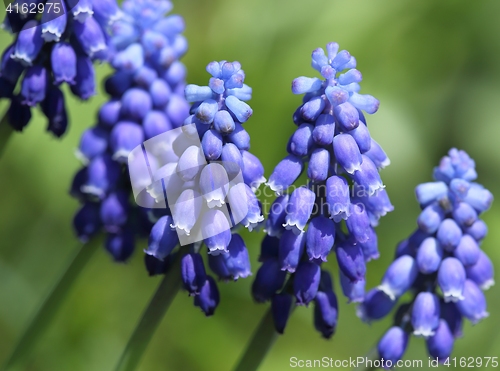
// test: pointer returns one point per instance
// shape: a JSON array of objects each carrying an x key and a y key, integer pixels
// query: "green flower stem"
[
  {"x": 51, "y": 304},
  {"x": 371, "y": 355},
  {"x": 262, "y": 340},
  {"x": 152, "y": 316},
  {"x": 5, "y": 132}
]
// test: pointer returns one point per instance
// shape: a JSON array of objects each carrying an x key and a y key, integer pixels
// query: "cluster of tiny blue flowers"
[
  {"x": 441, "y": 264},
  {"x": 56, "y": 43},
  {"x": 206, "y": 180},
  {"x": 147, "y": 98},
  {"x": 344, "y": 186}
]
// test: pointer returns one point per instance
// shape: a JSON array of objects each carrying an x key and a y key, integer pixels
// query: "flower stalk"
[
  {"x": 51, "y": 304},
  {"x": 152, "y": 315},
  {"x": 5, "y": 132},
  {"x": 260, "y": 344}
]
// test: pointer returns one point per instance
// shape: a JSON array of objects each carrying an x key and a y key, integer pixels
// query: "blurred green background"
[{"x": 435, "y": 67}]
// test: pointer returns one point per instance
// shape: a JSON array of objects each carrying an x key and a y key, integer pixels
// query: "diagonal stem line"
[
  {"x": 5, "y": 132},
  {"x": 52, "y": 302},
  {"x": 262, "y": 341},
  {"x": 152, "y": 315},
  {"x": 372, "y": 355}
]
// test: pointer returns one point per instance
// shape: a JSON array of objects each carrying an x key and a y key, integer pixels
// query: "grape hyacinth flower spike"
[
  {"x": 146, "y": 99},
  {"x": 214, "y": 186},
  {"x": 305, "y": 224},
  {"x": 441, "y": 263},
  {"x": 55, "y": 44}
]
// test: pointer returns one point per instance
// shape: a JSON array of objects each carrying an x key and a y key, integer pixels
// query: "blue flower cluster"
[
  {"x": 206, "y": 178},
  {"x": 53, "y": 47},
  {"x": 147, "y": 98},
  {"x": 343, "y": 163},
  {"x": 441, "y": 264}
]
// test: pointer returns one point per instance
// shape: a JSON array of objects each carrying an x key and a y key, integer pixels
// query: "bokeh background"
[{"x": 435, "y": 67}]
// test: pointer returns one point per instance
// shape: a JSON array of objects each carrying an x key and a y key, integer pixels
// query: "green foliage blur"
[{"x": 434, "y": 66}]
